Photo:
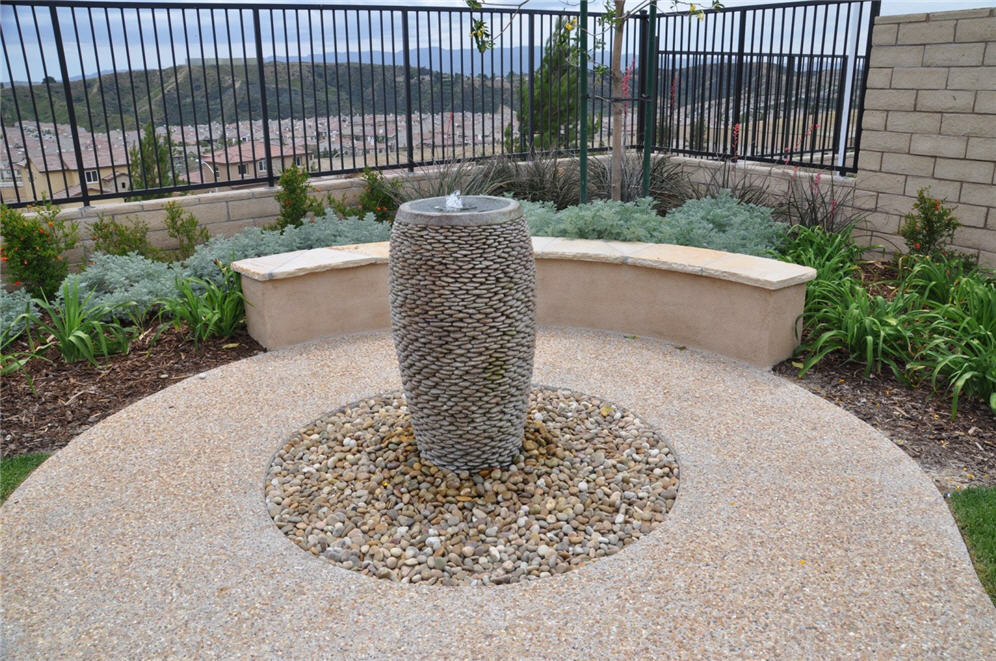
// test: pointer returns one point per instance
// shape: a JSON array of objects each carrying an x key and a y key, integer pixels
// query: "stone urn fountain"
[{"x": 463, "y": 313}]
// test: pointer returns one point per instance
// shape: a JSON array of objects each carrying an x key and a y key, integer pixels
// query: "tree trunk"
[{"x": 616, "y": 168}]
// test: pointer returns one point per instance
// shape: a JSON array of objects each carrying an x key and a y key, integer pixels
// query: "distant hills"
[{"x": 226, "y": 90}]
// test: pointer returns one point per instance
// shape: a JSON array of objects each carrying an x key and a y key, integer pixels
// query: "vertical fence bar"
[
  {"x": 876, "y": 7},
  {"x": 406, "y": 48},
  {"x": 70, "y": 106},
  {"x": 649, "y": 95},
  {"x": 257, "y": 34},
  {"x": 583, "y": 98},
  {"x": 532, "y": 81}
]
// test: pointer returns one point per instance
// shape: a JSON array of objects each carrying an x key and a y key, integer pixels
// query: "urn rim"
[{"x": 493, "y": 211}]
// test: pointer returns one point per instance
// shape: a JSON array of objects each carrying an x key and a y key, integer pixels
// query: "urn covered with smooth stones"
[{"x": 463, "y": 313}]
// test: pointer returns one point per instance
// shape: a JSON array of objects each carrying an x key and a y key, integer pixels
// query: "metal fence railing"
[
  {"x": 781, "y": 83},
  {"x": 111, "y": 100}
]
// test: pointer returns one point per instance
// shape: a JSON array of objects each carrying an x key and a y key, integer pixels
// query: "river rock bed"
[{"x": 590, "y": 479}]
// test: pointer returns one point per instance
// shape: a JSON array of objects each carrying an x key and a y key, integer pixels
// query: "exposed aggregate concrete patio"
[{"x": 798, "y": 532}]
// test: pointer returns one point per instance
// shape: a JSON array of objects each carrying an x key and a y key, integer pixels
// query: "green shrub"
[
  {"x": 379, "y": 197},
  {"x": 602, "y": 219},
  {"x": 205, "y": 309},
  {"x": 254, "y": 242},
  {"x": 868, "y": 329},
  {"x": 112, "y": 237},
  {"x": 723, "y": 223},
  {"x": 185, "y": 228},
  {"x": 128, "y": 285},
  {"x": 33, "y": 247},
  {"x": 929, "y": 227},
  {"x": 16, "y": 308},
  {"x": 961, "y": 353},
  {"x": 75, "y": 324},
  {"x": 294, "y": 198},
  {"x": 834, "y": 255}
]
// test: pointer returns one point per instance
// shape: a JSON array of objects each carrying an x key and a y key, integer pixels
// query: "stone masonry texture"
[{"x": 931, "y": 122}]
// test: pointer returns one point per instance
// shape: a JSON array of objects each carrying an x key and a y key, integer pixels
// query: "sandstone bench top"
[{"x": 745, "y": 269}]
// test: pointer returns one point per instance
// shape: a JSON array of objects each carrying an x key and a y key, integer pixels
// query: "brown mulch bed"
[
  {"x": 955, "y": 453},
  {"x": 47, "y": 404}
]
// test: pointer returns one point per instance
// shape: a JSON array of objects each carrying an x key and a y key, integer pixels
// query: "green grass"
[
  {"x": 13, "y": 471},
  {"x": 975, "y": 511}
]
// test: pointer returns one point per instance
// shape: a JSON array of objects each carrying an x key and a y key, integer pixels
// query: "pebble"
[{"x": 351, "y": 488}]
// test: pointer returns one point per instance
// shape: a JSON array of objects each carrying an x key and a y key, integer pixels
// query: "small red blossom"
[{"x": 916, "y": 245}]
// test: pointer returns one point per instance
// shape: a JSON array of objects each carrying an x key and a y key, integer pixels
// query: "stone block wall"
[
  {"x": 224, "y": 212},
  {"x": 930, "y": 121}
]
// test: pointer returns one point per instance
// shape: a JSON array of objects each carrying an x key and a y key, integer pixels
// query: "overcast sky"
[
  {"x": 888, "y": 6},
  {"x": 116, "y": 36}
]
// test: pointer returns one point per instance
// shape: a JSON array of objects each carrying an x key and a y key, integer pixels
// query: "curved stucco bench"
[{"x": 744, "y": 307}]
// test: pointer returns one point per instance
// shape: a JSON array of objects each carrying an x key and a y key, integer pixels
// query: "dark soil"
[{"x": 48, "y": 403}]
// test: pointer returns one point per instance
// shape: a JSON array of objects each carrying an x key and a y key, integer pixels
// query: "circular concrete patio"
[{"x": 798, "y": 532}]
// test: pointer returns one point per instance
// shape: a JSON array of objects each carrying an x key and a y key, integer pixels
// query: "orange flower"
[
  {"x": 3, "y": 259},
  {"x": 916, "y": 245}
]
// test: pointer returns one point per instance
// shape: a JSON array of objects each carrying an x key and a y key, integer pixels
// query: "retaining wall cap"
[
  {"x": 745, "y": 269},
  {"x": 484, "y": 210}
]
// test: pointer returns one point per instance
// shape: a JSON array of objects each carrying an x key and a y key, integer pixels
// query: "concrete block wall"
[
  {"x": 930, "y": 121},
  {"x": 223, "y": 212}
]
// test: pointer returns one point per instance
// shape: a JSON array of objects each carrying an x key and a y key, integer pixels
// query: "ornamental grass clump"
[
  {"x": 723, "y": 223},
  {"x": 34, "y": 246},
  {"x": 204, "y": 309},
  {"x": 75, "y": 325},
  {"x": 937, "y": 327}
]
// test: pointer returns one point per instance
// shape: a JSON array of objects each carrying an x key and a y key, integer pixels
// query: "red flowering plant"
[
  {"x": 294, "y": 198},
  {"x": 929, "y": 227},
  {"x": 33, "y": 247}
]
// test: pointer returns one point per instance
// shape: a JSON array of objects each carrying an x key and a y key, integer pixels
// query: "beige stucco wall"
[{"x": 930, "y": 120}]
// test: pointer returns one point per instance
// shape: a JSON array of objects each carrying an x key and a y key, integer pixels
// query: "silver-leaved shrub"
[
  {"x": 328, "y": 230},
  {"x": 602, "y": 219},
  {"x": 724, "y": 223},
  {"x": 129, "y": 284},
  {"x": 13, "y": 305}
]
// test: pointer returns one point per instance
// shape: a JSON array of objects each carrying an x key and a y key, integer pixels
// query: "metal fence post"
[
  {"x": 739, "y": 75},
  {"x": 70, "y": 106},
  {"x": 262, "y": 96},
  {"x": 641, "y": 54},
  {"x": 876, "y": 7},
  {"x": 649, "y": 96},
  {"x": 583, "y": 94},
  {"x": 406, "y": 48},
  {"x": 532, "y": 77}
]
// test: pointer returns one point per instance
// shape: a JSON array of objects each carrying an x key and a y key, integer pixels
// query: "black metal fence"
[{"x": 107, "y": 100}]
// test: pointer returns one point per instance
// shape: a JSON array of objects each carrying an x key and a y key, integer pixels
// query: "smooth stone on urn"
[{"x": 463, "y": 314}]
